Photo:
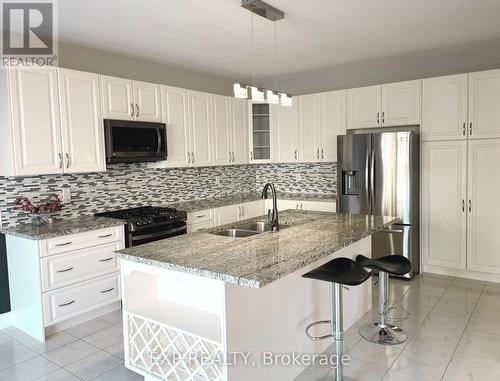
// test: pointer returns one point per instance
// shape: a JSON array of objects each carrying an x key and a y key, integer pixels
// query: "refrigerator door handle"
[
  {"x": 367, "y": 177},
  {"x": 372, "y": 180}
]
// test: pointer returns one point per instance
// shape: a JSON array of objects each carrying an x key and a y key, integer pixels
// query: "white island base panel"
[{"x": 170, "y": 317}]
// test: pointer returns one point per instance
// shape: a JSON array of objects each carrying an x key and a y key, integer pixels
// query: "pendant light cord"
[
  {"x": 275, "y": 59},
  {"x": 253, "y": 55}
]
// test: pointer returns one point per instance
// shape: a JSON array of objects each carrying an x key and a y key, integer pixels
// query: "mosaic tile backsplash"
[{"x": 130, "y": 185}]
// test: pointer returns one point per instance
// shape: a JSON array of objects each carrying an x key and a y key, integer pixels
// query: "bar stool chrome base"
[{"x": 389, "y": 335}]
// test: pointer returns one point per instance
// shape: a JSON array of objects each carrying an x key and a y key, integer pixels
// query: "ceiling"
[{"x": 214, "y": 36}]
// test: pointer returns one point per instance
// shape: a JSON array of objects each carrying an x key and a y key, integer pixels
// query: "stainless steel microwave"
[{"x": 133, "y": 141}]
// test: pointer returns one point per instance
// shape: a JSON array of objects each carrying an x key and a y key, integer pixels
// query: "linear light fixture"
[{"x": 252, "y": 92}]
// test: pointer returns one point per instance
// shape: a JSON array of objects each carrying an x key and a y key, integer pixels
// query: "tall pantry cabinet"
[{"x": 460, "y": 174}]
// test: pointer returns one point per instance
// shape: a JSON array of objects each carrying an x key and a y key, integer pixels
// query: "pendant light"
[{"x": 253, "y": 92}]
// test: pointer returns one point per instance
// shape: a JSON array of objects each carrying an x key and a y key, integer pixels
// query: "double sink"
[{"x": 248, "y": 230}]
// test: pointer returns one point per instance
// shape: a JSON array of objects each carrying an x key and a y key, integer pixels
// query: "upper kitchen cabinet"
[
  {"x": 130, "y": 100},
  {"x": 82, "y": 134},
  {"x": 444, "y": 108},
  {"x": 175, "y": 108},
  {"x": 285, "y": 134},
  {"x": 364, "y": 107},
  {"x": 401, "y": 103},
  {"x": 333, "y": 122},
  {"x": 239, "y": 130},
  {"x": 320, "y": 119},
  {"x": 35, "y": 141},
  {"x": 309, "y": 126},
  {"x": 484, "y": 101},
  {"x": 393, "y": 104},
  {"x": 31, "y": 137},
  {"x": 147, "y": 101},
  {"x": 261, "y": 139},
  {"x": 222, "y": 130},
  {"x": 200, "y": 152}
]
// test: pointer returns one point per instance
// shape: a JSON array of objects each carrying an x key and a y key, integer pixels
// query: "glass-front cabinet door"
[{"x": 260, "y": 132}]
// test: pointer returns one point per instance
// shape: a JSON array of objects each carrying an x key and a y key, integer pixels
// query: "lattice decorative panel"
[{"x": 171, "y": 354}]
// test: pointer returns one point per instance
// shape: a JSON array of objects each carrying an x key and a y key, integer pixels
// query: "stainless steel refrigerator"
[{"x": 378, "y": 174}]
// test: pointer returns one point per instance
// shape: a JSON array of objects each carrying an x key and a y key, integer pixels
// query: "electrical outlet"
[
  {"x": 66, "y": 194},
  {"x": 217, "y": 180},
  {"x": 297, "y": 177}
]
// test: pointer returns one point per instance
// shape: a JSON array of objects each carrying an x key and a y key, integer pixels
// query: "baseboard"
[
  {"x": 5, "y": 320},
  {"x": 468, "y": 274}
]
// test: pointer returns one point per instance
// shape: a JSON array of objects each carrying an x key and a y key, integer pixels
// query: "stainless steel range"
[{"x": 148, "y": 223}]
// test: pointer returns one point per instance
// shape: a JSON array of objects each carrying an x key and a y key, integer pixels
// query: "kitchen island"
[{"x": 189, "y": 299}]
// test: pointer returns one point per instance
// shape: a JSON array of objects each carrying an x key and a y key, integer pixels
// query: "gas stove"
[{"x": 148, "y": 223}]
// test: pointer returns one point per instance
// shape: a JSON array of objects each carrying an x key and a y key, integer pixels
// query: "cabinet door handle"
[
  {"x": 65, "y": 270},
  {"x": 137, "y": 110},
  {"x": 383, "y": 117},
  {"x": 470, "y": 128},
  {"x": 64, "y": 244},
  {"x": 464, "y": 127},
  {"x": 132, "y": 108},
  {"x": 301, "y": 206},
  {"x": 189, "y": 157},
  {"x": 242, "y": 211},
  {"x": 229, "y": 154},
  {"x": 378, "y": 117},
  {"x": 67, "y": 304},
  {"x": 60, "y": 160},
  {"x": 106, "y": 235},
  {"x": 233, "y": 158},
  {"x": 67, "y": 160},
  {"x": 317, "y": 153},
  {"x": 106, "y": 259},
  {"x": 200, "y": 216},
  {"x": 322, "y": 153},
  {"x": 295, "y": 154},
  {"x": 470, "y": 206},
  {"x": 251, "y": 155},
  {"x": 108, "y": 290},
  {"x": 192, "y": 157},
  {"x": 463, "y": 205}
]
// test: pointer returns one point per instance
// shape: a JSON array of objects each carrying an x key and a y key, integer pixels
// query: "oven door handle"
[
  {"x": 160, "y": 141},
  {"x": 156, "y": 225},
  {"x": 158, "y": 234}
]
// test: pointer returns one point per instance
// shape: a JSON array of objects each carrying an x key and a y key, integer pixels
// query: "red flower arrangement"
[{"x": 52, "y": 205}]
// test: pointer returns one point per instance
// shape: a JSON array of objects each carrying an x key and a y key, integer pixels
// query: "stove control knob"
[{"x": 150, "y": 220}]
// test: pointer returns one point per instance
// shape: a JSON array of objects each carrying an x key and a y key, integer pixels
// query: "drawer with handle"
[
  {"x": 200, "y": 216},
  {"x": 74, "y": 300},
  {"x": 78, "y": 241},
  {"x": 64, "y": 269}
]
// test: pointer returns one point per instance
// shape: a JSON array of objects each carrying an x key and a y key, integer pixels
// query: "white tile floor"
[
  {"x": 454, "y": 330},
  {"x": 454, "y": 335}
]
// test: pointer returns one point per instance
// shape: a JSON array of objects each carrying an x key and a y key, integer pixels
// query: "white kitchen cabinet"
[
  {"x": 221, "y": 130},
  {"x": 63, "y": 281},
  {"x": 252, "y": 209},
  {"x": 444, "y": 108},
  {"x": 175, "y": 108},
  {"x": 443, "y": 209},
  {"x": 483, "y": 240},
  {"x": 364, "y": 107},
  {"x": 239, "y": 130},
  {"x": 31, "y": 137},
  {"x": 261, "y": 139},
  {"x": 333, "y": 113},
  {"x": 401, "y": 103},
  {"x": 193, "y": 228},
  {"x": 484, "y": 101},
  {"x": 118, "y": 98},
  {"x": 227, "y": 214},
  {"x": 309, "y": 127},
  {"x": 130, "y": 100},
  {"x": 317, "y": 206},
  {"x": 147, "y": 98},
  {"x": 285, "y": 134},
  {"x": 392, "y": 104},
  {"x": 82, "y": 133},
  {"x": 200, "y": 151}
]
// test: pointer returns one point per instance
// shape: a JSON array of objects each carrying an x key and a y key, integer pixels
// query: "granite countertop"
[
  {"x": 61, "y": 227},
  {"x": 216, "y": 202},
  {"x": 261, "y": 259}
]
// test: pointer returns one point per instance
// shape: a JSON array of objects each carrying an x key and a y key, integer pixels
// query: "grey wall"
[
  {"x": 102, "y": 62},
  {"x": 459, "y": 59}
]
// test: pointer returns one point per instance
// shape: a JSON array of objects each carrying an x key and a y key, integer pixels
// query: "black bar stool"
[
  {"x": 339, "y": 272},
  {"x": 382, "y": 332}
]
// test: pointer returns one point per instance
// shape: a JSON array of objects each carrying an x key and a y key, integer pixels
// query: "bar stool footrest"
[{"x": 319, "y": 338}]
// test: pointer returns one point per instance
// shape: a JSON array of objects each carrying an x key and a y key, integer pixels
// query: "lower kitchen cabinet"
[
  {"x": 317, "y": 206},
  {"x": 202, "y": 219},
  {"x": 232, "y": 213},
  {"x": 60, "y": 282}
]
